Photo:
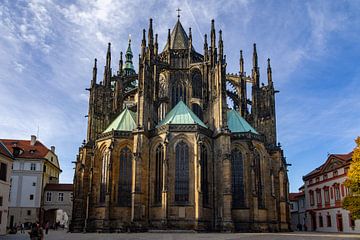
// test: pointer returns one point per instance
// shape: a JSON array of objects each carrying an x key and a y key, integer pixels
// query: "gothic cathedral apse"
[{"x": 164, "y": 150}]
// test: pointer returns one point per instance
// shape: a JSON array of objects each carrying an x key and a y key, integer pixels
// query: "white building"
[
  {"x": 34, "y": 166},
  {"x": 6, "y": 161},
  {"x": 324, "y": 192},
  {"x": 58, "y": 203},
  {"x": 297, "y": 210}
]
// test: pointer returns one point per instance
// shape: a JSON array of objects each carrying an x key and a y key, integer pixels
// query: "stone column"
[
  {"x": 106, "y": 227},
  {"x": 164, "y": 201},
  {"x": 227, "y": 193},
  {"x": 198, "y": 203}
]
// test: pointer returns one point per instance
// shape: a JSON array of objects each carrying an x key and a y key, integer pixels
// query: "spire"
[
  {"x": 128, "y": 67},
  {"x": 221, "y": 46},
  {"x": 178, "y": 38},
  {"x": 168, "y": 40},
  {"x": 121, "y": 62},
  {"x": 269, "y": 72},
  {"x": 150, "y": 34},
  {"x": 156, "y": 45},
  {"x": 93, "y": 81},
  {"x": 255, "y": 58},
  {"x": 205, "y": 47},
  {"x": 190, "y": 35},
  {"x": 213, "y": 37},
  {"x": 241, "y": 63},
  {"x": 143, "y": 44},
  {"x": 107, "y": 71}
]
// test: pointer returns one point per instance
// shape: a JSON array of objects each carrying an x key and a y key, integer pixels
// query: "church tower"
[{"x": 164, "y": 150}]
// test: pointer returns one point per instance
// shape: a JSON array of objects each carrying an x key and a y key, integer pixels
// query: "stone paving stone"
[{"x": 63, "y": 235}]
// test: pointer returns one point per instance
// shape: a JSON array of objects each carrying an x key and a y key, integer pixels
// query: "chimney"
[
  {"x": 33, "y": 140},
  {"x": 52, "y": 149}
]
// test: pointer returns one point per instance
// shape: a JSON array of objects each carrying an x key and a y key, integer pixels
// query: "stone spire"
[
  {"x": 269, "y": 72},
  {"x": 93, "y": 81},
  {"x": 128, "y": 68},
  {"x": 107, "y": 71}
]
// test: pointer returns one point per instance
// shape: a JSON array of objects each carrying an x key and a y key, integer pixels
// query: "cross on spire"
[{"x": 178, "y": 10}]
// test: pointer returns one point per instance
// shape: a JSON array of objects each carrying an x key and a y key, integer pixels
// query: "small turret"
[
  {"x": 242, "y": 72},
  {"x": 206, "y": 54},
  {"x": 255, "y": 70},
  {"x": 269, "y": 72},
  {"x": 143, "y": 45},
  {"x": 168, "y": 39},
  {"x": 190, "y": 45},
  {"x": 221, "y": 46},
  {"x": 156, "y": 45},
  {"x": 150, "y": 34},
  {"x": 93, "y": 81},
  {"x": 120, "y": 63},
  {"x": 107, "y": 71},
  {"x": 255, "y": 58}
]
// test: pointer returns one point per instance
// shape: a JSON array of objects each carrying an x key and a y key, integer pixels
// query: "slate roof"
[
  {"x": 178, "y": 38},
  {"x": 126, "y": 121},
  {"x": 39, "y": 150},
  {"x": 238, "y": 124},
  {"x": 181, "y": 115}
]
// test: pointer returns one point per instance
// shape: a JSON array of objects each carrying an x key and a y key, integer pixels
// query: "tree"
[{"x": 352, "y": 202}]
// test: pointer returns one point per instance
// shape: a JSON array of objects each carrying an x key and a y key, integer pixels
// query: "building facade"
[
  {"x": 6, "y": 162},
  {"x": 58, "y": 204},
  {"x": 324, "y": 192},
  {"x": 297, "y": 211},
  {"x": 165, "y": 151},
  {"x": 34, "y": 166}
]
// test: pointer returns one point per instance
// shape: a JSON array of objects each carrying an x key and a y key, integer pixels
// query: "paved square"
[{"x": 62, "y": 235}]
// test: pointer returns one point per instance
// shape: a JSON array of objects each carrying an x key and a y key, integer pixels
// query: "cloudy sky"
[{"x": 47, "y": 49}]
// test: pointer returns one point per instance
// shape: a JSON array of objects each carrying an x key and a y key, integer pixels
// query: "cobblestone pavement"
[{"x": 62, "y": 235}]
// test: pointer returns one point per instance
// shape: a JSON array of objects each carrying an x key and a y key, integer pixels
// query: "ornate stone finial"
[{"x": 178, "y": 11}]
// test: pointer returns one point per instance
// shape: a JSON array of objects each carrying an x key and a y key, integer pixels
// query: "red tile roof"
[
  {"x": 36, "y": 151},
  {"x": 295, "y": 196},
  {"x": 5, "y": 151},
  {"x": 59, "y": 187}
]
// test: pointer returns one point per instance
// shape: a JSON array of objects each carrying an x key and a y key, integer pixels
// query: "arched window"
[
  {"x": 237, "y": 166},
  {"x": 196, "y": 85},
  {"x": 178, "y": 93},
  {"x": 197, "y": 110},
  {"x": 259, "y": 183},
  {"x": 159, "y": 173},
  {"x": 104, "y": 173},
  {"x": 204, "y": 175},
  {"x": 124, "y": 193},
  {"x": 182, "y": 173}
]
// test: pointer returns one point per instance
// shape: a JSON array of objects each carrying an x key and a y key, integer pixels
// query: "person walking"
[
  {"x": 22, "y": 228},
  {"x": 47, "y": 227}
]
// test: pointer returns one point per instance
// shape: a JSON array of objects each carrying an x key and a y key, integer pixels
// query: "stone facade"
[
  {"x": 324, "y": 193},
  {"x": 6, "y": 161},
  {"x": 204, "y": 176}
]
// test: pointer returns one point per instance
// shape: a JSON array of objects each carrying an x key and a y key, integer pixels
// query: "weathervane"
[{"x": 178, "y": 10}]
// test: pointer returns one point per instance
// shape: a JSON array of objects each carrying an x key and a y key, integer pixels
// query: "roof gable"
[
  {"x": 181, "y": 115},
  {"x": 238, "y": 124},
  {"x": 38, "y": 150},
  {"x": 5, "y": 151},
  {"x": 126, "y": 121},
  {"x": 178, "y": 38}
]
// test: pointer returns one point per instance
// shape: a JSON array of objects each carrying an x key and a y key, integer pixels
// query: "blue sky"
[{"x": 47, "y": 49}]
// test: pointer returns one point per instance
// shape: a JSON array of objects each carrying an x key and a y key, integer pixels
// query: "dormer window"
[
  {"x": 17, "y": 151},
  {"x": 32, "y": 151}
]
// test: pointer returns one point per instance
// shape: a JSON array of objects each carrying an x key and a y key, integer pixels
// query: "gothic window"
[
  {"x": 204, "y": 175},
  {"x": 161, "y": 112},
  {"x": 196, "y": 85},
  {"x": 158, "y": 173},
  {"x": 237, "y": 166},
  {"x": 182, "y": 173},
  {"x": 197, "y": 110},
  {"x": 125, "y": 174},
  {"x": 104, "y": 173},
  {"x": 259, "y": 183}
]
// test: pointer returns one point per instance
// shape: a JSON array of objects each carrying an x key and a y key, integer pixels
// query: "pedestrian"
[
  {"x": 47, "y": 227},
  {"x": 34, "y": 232},
  {"x": 22, "y": 228}
]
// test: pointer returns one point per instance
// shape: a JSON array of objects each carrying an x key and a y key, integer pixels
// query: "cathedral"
[{"x": 180, "y": 143}]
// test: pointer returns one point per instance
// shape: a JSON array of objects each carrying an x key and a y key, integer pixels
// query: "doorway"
[{"x": 339, "y": 222}]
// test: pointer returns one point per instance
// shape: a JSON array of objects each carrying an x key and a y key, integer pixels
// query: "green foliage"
[{"x": 352, "y": 203}]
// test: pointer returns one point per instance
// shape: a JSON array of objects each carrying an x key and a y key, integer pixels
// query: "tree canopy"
[{"x": 352, "y": 202}]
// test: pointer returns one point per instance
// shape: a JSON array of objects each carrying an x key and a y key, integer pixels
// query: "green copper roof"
[
  {"x": 237, "y": 123},
  {"x": 181, "y": 114},
  {"x": 128, "y": 67},
  {"x": 126, "y": 121}
]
